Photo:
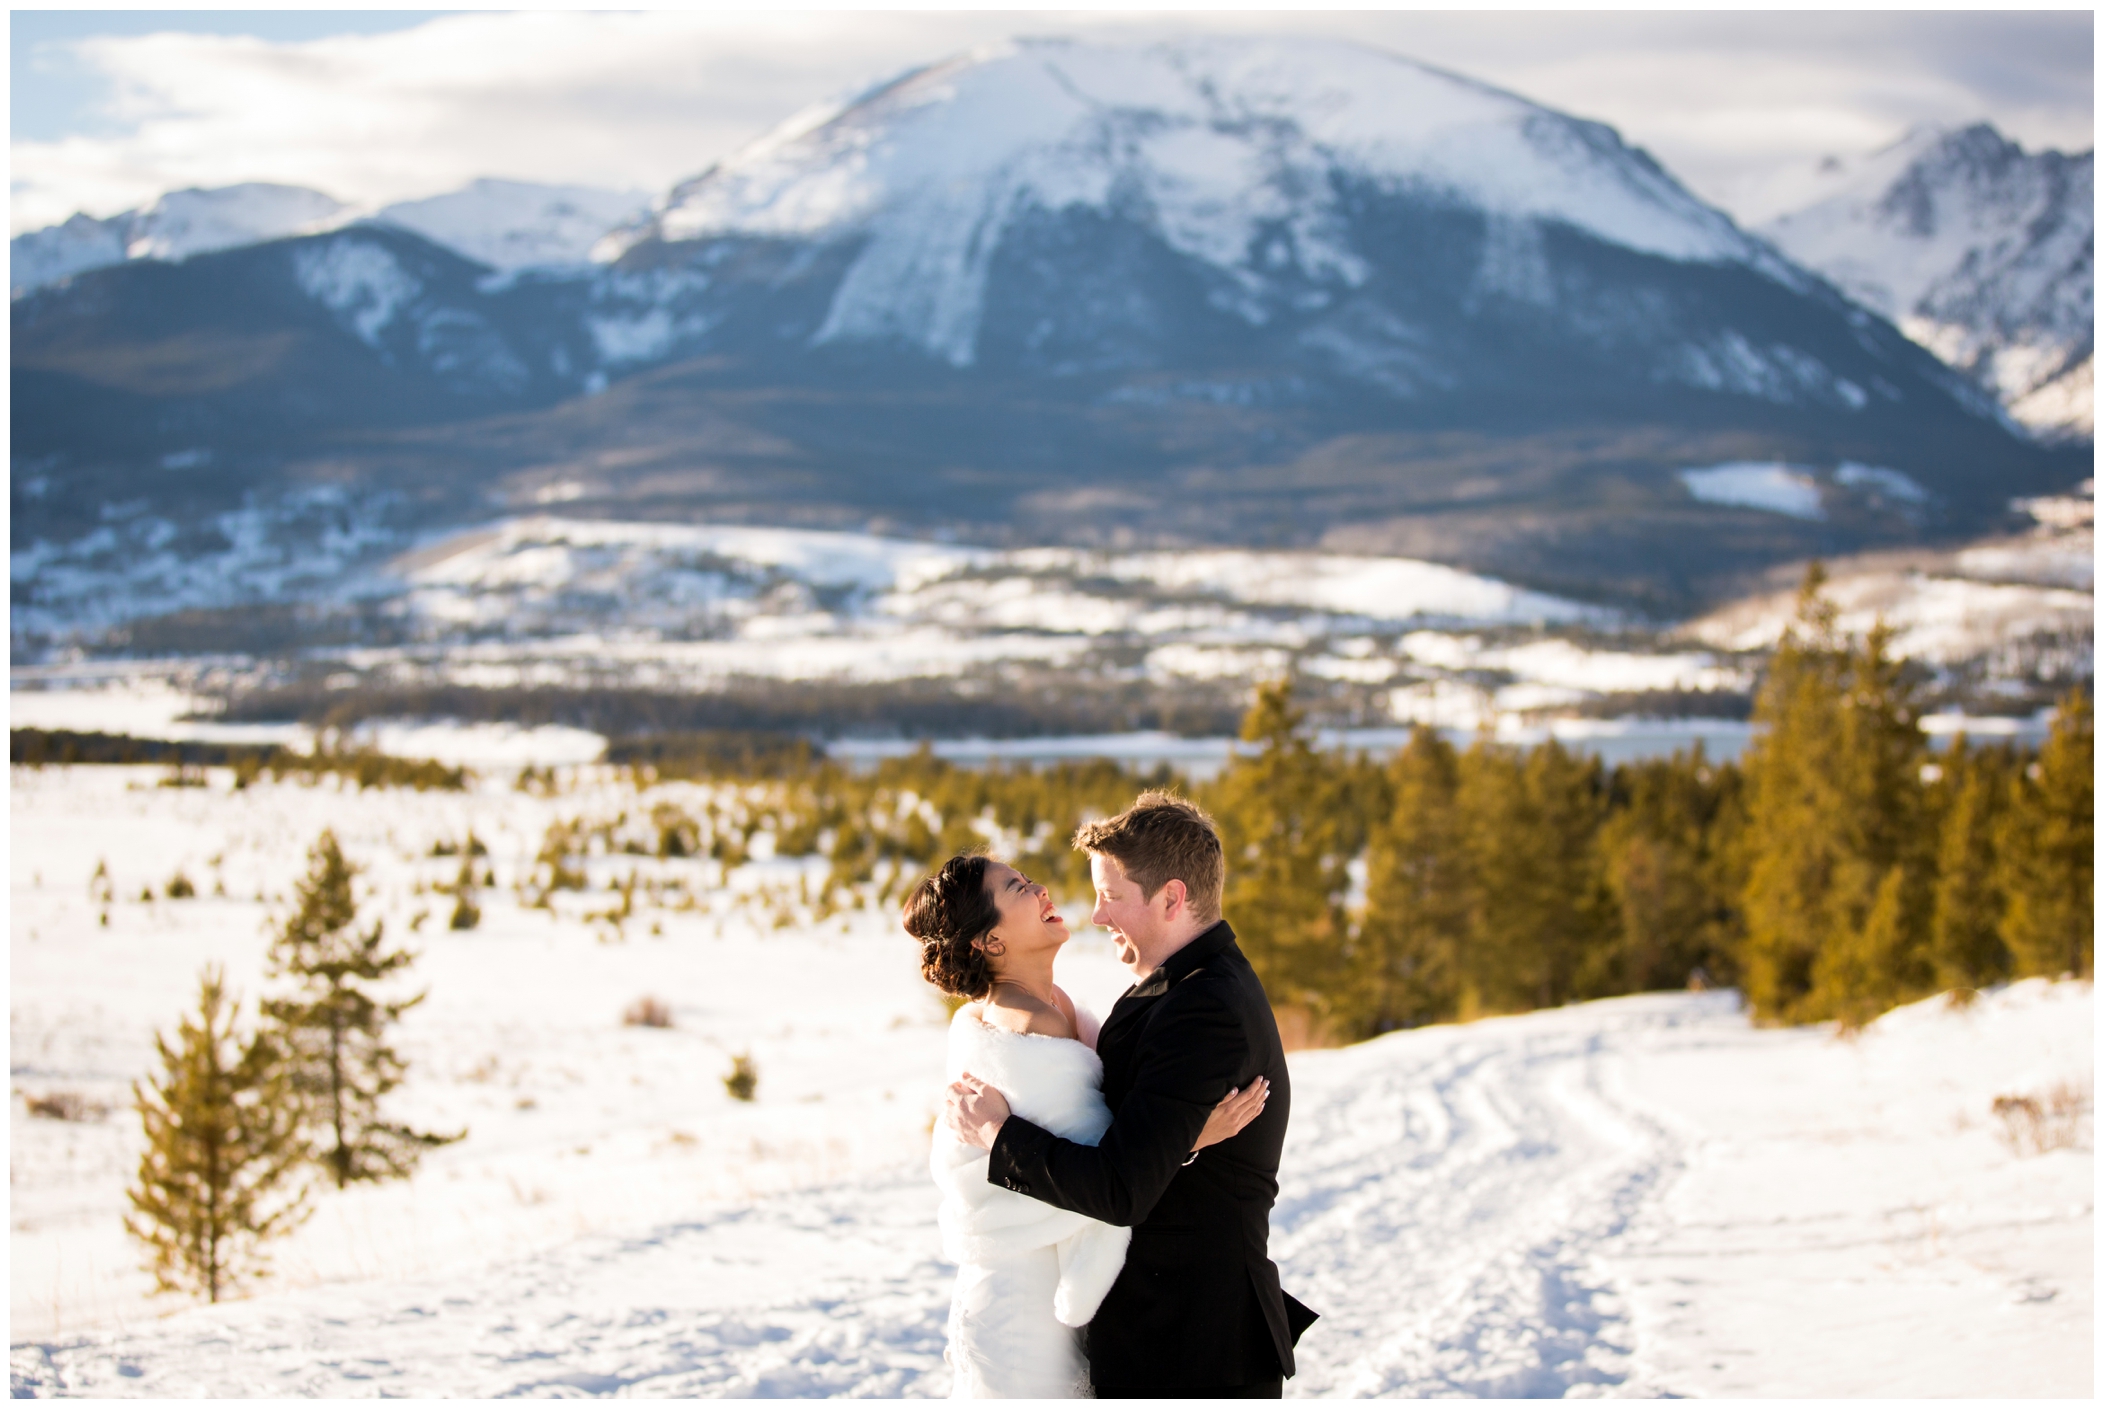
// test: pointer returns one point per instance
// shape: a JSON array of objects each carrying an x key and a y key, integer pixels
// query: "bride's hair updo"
[{"x": 946, "y": 912}]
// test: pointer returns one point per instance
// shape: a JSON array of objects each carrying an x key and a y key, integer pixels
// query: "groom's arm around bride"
[{"x": 1198, "y": 1307}]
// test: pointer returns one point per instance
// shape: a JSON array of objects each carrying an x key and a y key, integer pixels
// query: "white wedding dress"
[{"x": 1028, "y": 1274}]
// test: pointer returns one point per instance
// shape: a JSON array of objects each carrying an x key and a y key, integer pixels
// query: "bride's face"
[{"x": 1029, "y": 922}]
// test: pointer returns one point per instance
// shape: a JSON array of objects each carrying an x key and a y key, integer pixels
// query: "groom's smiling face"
[{"x": 1138, "y": 924}]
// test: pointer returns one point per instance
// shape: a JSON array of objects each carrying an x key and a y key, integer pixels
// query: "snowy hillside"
[
  {"x": 1239, "y": 155},
  {"x": 551, "y": 600},
  {"x": 2019, "y": 605},
  {"x": 1980, "y": 251},
  {"x": 175, "y": 226},
  {"x": 554, "y": 600},
  {"x": 1646, "y": 1196}
]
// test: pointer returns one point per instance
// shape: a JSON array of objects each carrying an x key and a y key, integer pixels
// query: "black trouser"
[{"x": 1262, "y": 1389}]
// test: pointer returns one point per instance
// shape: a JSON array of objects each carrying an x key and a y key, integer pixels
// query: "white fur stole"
[{"x": 1053, "y": 1082}]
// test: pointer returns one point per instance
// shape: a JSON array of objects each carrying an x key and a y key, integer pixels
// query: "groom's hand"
[{"x": 974, "y": 1111}]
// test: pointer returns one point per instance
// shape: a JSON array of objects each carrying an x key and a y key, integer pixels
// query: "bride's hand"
[{"x": 1236, "y": 1109}]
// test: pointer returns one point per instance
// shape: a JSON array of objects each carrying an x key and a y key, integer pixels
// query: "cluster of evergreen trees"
[
  {"x": 1839, "y": 869},
  {"x": 235, "y": 1120},
  {"x": 369, "y": 768}
]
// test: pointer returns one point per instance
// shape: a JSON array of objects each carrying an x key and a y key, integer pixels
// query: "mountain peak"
[
  {"x": 1978, "y": 250},
  {"x": 1238, "y": 153}
]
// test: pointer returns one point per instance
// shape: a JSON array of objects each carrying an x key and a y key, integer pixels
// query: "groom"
[{"x": 1198, "y": 1309}]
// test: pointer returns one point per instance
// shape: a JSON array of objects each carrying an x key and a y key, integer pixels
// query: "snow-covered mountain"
[
  {"x": 1978, "y": 250},
  {"x": 175, "y": 226},
  {"x": 518, "y": 224},
  {"x": 1289, "y": 294},
  {"x": 1247, "y": 158},
  {"x": 505, "y": 224}
]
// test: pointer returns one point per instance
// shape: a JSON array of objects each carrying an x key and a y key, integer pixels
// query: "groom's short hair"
[{"x": 1163, "y": 838}]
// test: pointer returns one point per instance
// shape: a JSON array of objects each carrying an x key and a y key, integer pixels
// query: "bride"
[{"x": 1028, "y": 1275}]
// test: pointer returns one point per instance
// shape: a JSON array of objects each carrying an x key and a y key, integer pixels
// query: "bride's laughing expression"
[{"x": 1029, "y": 923}]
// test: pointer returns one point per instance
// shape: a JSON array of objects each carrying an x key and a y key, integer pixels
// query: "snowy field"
[{"x": 1643, "y": 1196}]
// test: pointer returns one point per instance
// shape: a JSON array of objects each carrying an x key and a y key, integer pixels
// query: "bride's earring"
[{"x": 995, "y": 948}]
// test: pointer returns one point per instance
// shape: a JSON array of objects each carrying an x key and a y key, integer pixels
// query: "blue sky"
[{"x": 110, "y": 108}]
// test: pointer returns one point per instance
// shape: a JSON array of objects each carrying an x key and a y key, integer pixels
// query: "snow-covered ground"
[{"x": 1641, "y": 1196}]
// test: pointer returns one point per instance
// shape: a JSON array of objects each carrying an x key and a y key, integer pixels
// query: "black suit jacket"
[{"x": 1198, "y": 1304}]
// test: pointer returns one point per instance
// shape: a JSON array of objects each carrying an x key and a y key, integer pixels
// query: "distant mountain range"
[
  {"x": 1981, "y": 252},
  {"x": 1216, "y": 291},
  {"x": 504, "y": 224}
]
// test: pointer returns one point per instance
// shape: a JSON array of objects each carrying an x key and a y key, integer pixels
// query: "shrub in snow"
[
  {"x": 743, "y": 1079},
  {"x": 647, "y": 1012},
  {"x": 222, "y": 1143},
  {"x": 65, "y": 1105},
  {"x": 2031, "y": 1125},
  {"x": 466, "y": 914},
  {"x": 334, "y": 1030},
  {"x": 677, "y": 833},
  {"x": 180, "y": 888}
]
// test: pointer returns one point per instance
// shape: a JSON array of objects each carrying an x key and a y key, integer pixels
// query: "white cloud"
[{"x": 1732, "y": 103}]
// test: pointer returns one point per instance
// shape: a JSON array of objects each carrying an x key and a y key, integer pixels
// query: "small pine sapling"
[
  {"x": 222, "y": 1142},
  {"x": 334, "y": 1029}
]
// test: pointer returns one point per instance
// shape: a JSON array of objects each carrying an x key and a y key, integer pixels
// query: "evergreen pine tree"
[
  {"x": 334, "y": 1030},
  {"x": 1539, "y": 904},
  {"x": 1965, "y": 941},
  {"x": 1284, "y": 838},
  {"x": 1673, "y": 910},
  {"x": 1857, "y": 974},
  {"x": 1833, "y": 805},
  {"x": 222, "y": 1140},
  {"x": 2048, "y": 867},
  {"x": 1408, "y": 969}
]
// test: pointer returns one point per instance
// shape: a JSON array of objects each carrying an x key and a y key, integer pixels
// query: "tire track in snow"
[{"x": 1448, "y": 1196}]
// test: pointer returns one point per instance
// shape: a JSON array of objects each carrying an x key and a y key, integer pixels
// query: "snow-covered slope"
[
  {"x": 2025, "y": 604},
  {"x": 1242, "y": 155},
  {"x": 176, "y": 226},
  {"x": 518, "y": 224},
  {"x": 1980, "y": 251}
]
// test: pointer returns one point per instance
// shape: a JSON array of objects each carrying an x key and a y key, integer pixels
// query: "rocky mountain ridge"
[{"x": 1978, "y": 250}]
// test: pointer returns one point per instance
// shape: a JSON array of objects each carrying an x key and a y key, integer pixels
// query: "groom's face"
[{"x": 1135, "y": 922}]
